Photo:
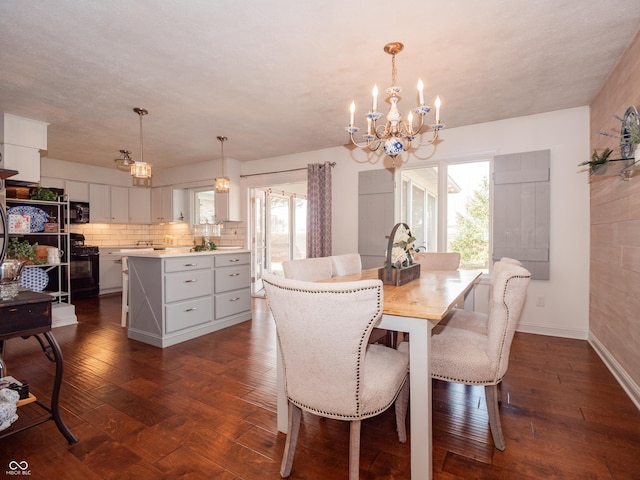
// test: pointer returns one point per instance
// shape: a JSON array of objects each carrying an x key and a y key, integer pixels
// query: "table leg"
[
  {"x": 55, "y": 394},
  {"x": 419, "y": 390}
]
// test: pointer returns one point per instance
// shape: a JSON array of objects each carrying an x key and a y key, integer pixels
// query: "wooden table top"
[{"x": 431, "y": 296}]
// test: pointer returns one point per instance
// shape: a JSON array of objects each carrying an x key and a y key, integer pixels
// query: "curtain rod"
[{"x": 332, "y": 164}]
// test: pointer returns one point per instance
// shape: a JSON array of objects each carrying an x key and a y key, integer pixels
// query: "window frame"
[{"x": 442, "y": 166}]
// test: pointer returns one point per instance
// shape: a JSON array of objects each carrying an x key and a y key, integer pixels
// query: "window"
[
  {"x": 203, "y": 205},
  {"x": 447, "y": 208}
]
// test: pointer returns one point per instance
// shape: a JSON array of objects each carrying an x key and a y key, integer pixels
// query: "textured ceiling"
[{"x": 276, "y": 76}]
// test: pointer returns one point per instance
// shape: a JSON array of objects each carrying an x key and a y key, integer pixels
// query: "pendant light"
[
  {"x": 141, "y": 169},
  {"x": 222, "y": 183}
]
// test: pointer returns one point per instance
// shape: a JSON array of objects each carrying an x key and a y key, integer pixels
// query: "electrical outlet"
[{"x": 540, "y": 301}]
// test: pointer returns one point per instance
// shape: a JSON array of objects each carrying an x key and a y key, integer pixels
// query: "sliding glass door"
[{"x": 279, "y": 229}]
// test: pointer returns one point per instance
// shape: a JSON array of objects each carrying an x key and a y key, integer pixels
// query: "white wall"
[{"x": 565, "y": 133}]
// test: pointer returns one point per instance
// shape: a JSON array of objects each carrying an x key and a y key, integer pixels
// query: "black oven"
[{"x": 84, "y": 268}]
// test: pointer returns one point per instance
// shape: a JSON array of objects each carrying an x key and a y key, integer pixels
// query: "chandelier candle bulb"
[
  {"x": 368, "y": 126},
  {"x": 352, "y": 110},
  {"x": 438, "y": 109},
  {"x": 410, "y": 122},
  {"x": 374, "y": 92},
  {"x": 421, "y": 91}
]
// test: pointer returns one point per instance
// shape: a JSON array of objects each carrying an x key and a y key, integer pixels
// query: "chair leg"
[
  {"x": 492, "y": 394},
  {"x": 402, "y": 401},
  {"x": 125, "y": 299},
  {"x": 354, "y": 450},
  {"x": 293, "y": 428}
]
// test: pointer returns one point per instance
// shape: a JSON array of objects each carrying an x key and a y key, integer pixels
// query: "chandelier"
[
  {"x": 396, "y": 135},
  {"x": 222, "y": 183},
  {"x": 125, "y": 161}
]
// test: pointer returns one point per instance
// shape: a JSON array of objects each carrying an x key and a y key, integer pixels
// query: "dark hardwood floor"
[{"x": 205, "y": 409}]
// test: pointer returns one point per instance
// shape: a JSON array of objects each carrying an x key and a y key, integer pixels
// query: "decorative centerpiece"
[{"x": 399, "y": 267}]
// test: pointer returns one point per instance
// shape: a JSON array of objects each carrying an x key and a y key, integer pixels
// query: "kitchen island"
[{"x": 175, "y": 296}]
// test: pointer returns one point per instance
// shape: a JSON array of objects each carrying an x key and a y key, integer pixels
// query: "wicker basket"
[{"x": 397, "y": 276}]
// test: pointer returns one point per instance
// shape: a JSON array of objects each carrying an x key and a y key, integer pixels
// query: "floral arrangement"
[{"x": 402, "y": 249}]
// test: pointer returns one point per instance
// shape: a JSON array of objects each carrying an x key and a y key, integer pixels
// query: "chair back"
[
  {"x": 323, "y": 372},
  {"x": 346, "y": 264},
  {"x": 507, "y": 300},
  {"x": 439, "y": 261},
  {"x": 125, "y": 257},
  {"x": 308, "y": 269}
]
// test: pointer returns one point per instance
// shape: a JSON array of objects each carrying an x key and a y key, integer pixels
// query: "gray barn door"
[
  {"x": 376, "y": 200},
  {"x": 521, "y": 213}
]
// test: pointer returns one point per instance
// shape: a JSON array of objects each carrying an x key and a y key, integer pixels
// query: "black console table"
[{"x": 29, "y": 315}]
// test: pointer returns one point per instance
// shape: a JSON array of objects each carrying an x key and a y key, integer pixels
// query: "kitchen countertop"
[{"x": 183, "y": 252}]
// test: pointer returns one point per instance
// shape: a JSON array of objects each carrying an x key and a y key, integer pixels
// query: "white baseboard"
[
  {"x": 623, "y": 378},
  {"x": 553, "y": 331},
  {"x": 63, "y": 314}
]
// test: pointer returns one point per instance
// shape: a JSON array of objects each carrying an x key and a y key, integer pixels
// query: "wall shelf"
[{"x": 615, "y": 167}]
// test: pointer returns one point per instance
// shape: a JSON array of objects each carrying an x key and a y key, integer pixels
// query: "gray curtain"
[{"x": 318, "y": 210}]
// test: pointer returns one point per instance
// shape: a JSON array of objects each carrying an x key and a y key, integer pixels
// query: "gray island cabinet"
[{"x": 174, "y": 297}]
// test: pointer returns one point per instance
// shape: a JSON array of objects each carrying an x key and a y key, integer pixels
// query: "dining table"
[{"x": 413, "y": 308}]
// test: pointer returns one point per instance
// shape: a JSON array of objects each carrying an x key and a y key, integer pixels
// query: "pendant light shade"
[
  {"x": 222, "y": 183},
  {"x": 141, "y": 169}
]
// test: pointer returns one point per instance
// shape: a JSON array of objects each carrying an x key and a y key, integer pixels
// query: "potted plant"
[
  {"x": 597, "y": 159},
  {"x": 399, "y": 267},
  {"x": 44, "y": 194},
  {"x": 22, "y": 250}
]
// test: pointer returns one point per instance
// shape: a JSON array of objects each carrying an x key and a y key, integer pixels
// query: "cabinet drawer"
[
  {"x": 21, "y": 318},
  {"x": 229, "y": 259},
  {"x": 232, "y": 303},
  {"x": 188, "y": 314},
  {"x": 183, "y": 285},
  {"x": 232, "y": 278},
  {"x": 181, "y": 264}
]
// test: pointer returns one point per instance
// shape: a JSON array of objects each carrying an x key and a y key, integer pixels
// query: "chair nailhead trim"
[{"x": 365, "y": 335}]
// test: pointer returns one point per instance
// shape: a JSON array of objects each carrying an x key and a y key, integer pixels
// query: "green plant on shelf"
[
  {"x": 23, "y": 251},
  {"x": 44, "y": 194},
  {"x": 597, "y": 159}
]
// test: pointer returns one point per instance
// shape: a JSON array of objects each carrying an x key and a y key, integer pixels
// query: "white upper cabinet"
[
  {"x": 77, "y": 191},
  {"x": 99, "y": 203},
  {"x": 227, "y": 206},
  {"x": 139, "y": 205},
  {"x": 22, "y": 139},
  {"x": 119, "y": 204},
  {"x": 161, "y": 204}
]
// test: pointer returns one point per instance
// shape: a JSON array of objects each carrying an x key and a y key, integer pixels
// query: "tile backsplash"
[{"x": 116, "y": 235}]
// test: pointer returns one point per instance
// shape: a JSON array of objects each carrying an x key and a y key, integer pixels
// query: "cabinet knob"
[
  {"x": 191, "y": 309},
  {"x": 234, "y": 274},
  {"x": 191, "y": 281}
]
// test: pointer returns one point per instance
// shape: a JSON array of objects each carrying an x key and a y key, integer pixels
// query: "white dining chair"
[
  {"x": 340, "y": 376},
  {"x": 125, "y": 281},
  {"x": 308, "y": 269},
  {"x": 447, "y": 261},
  {"x": 471, "y": 357},
  {"x": 321, "y": 268},
  {"x": 476, "y": 321},
  {"x": 346, "y": 264}
]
